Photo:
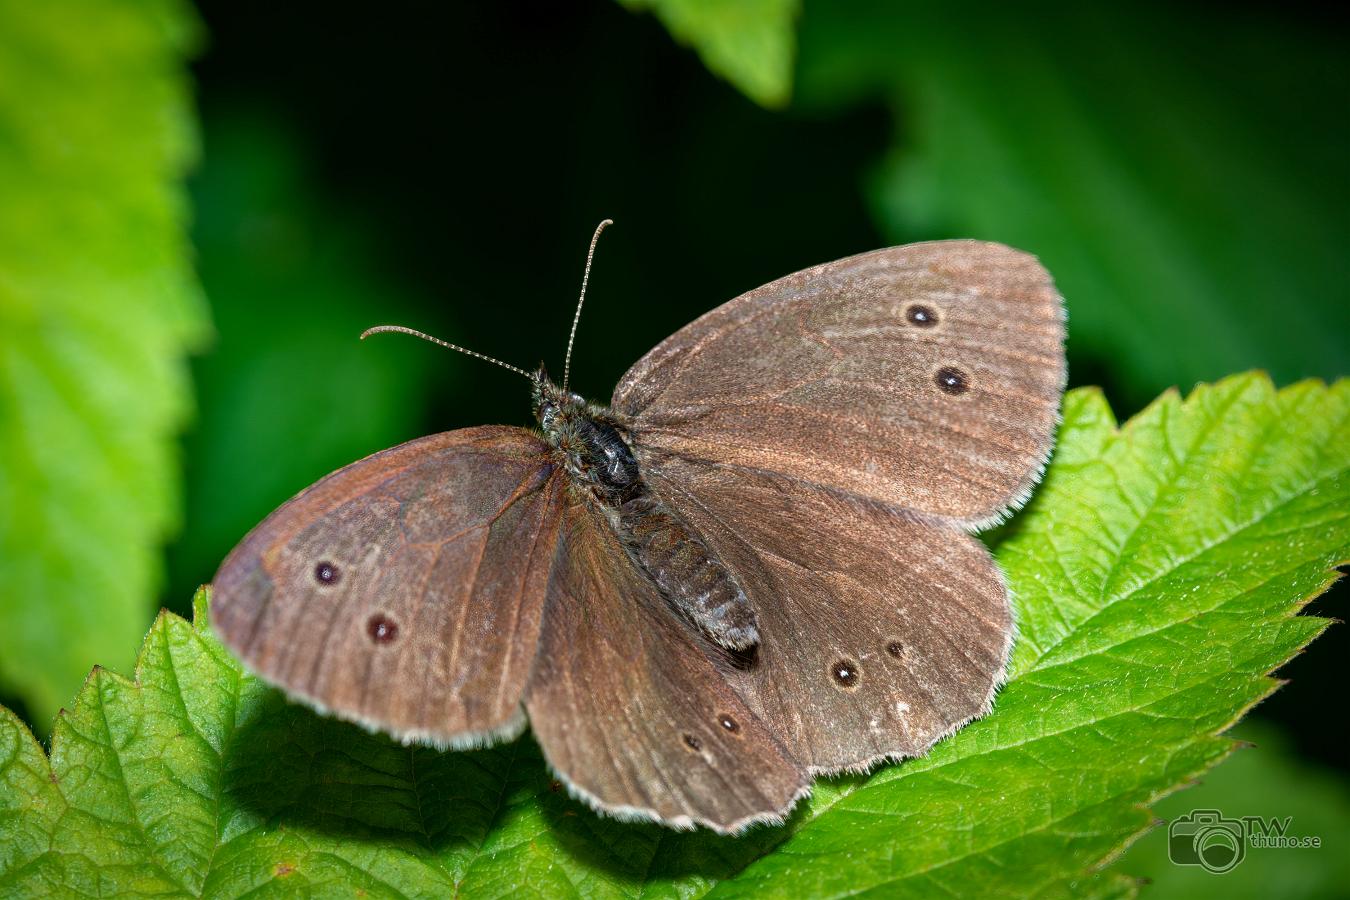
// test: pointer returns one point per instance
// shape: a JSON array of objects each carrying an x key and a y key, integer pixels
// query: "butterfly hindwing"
[
  {"x": 879, "y": 633},
  {"x": 629, "y": 707}
]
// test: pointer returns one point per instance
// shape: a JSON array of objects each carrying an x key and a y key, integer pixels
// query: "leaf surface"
[
  {"x": 750, "y": 43},
  {"x": 1264, "y": 778},
  {"x": 1158, "y": 574},
  {"x": 98, "y": 309}
]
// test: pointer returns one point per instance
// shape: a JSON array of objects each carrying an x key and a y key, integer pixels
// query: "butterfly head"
[{"x": 553, "y": 405}]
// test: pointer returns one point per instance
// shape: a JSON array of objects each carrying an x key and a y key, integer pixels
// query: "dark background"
[{"x": 443, "y": 167}]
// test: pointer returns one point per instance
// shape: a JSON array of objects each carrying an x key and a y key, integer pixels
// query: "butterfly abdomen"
[{"x": 686, "y": 571}]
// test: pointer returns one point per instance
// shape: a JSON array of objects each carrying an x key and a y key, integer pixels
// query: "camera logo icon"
[{"x": 1205, "y": 838}]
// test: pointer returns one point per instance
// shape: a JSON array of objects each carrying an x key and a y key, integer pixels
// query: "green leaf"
[
  {"x": 98, "y": 309},
  {"x": 1181, "y": 173},
  {"x": 1157, "y": 573},
  {"x": 750, "y": 43},
  {"x": 1262, "y": 779}
]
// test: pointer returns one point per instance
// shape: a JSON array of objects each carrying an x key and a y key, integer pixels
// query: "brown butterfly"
[{"x": 753, "y": 567}]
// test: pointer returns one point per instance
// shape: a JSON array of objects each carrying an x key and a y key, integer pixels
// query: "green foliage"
[
  {"x": 1263, "y": 779},
  {"x": 750, "y": 43},
  {"x": 1157, "y": 576},
  {"x": 98, "y": 308},
  {"x": 1181, "y": 173}
]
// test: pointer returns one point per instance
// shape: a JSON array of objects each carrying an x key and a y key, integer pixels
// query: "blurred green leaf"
[
  {"x": 1264, "y": 779},
  {"x": 750, "y": 43},
  {"x": 1157, "y": 574},
  {"x": 288, "y": 392},
  {"x": 98, "y": 309},
  {"x": 1180, "y": 171}
]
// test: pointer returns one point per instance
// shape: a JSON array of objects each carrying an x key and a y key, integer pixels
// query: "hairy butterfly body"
[
  {"x": 753, "y": 567},
  {"x": 657, "y": 540}
]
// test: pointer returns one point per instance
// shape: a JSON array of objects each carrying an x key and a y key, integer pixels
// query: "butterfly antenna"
[
  {"x": 586, "y": 276},
  {"x": 382, "y": 329}
]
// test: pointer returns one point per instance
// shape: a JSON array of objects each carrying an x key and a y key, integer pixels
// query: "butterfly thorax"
[
  {"x": 590, "y": 444},
  {"x": 593, "y": 447}
]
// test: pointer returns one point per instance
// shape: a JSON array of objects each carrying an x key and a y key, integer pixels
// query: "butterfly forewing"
[
  {"x": 629, "y": 707},
  {"x": 424, "y": 565},
  {"x": 927, "y": 377}
]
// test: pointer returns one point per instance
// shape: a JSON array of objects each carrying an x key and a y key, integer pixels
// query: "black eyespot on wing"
[
  {"x": 896, "y": 649},
  {"x": 327, "y": 573},
  {"x": 845, "y": 673},
  {"x": 381, "y": 628},
  {"x": 693, "y": 743},
  {"x": 921, "y": 316},
  {"x": 728, "y": 723},
  {"x": 951, "y": 380}
]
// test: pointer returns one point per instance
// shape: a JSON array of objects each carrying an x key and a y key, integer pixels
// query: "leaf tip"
[{"x": 201, "y": 609}]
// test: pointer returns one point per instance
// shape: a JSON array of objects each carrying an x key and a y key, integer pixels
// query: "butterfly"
[{"x": 753, "y": 567}]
